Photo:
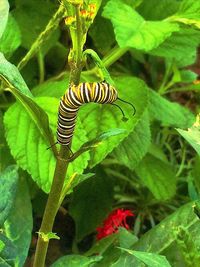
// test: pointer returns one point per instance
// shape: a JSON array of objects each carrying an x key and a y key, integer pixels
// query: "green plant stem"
[
  {"x": 41, "y": 66},
  {"x": 55, "y": 194},
  {"x": 52, "y": 206},
  {"x": 107, "y": 61}
]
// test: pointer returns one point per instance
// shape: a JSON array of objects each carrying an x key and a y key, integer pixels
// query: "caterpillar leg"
[{"x": 52, "y": 145}]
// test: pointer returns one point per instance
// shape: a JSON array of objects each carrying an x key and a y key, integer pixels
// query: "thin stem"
[
  {"x": 41, "y": 66},
  {"x": 52, "y": 206},
  {"x": 111, "y": 58},
  {"x": 55, "y": 194}
]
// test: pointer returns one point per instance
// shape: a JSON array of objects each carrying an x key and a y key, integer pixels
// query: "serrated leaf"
[
  {"x": 161, "y": 183},
  {"x": 98, "y": 197},
  {"x": 8, "y": 254},
  {"x": 134, "y": 147},
  {"x": 101, "y": 118},
  {"x": 76, "y": 261},
  {"x": 131, "y": 30},
  {"x": 29, "y": 148},
  {"x": 169, "y": 113},
  {"x": 8, "y": 185},
  {"x": 18, "y": 87},
  {"x": 19, "y": 224},
  {"x": 4, "y": 10},
  {"x": 180, "y": 47},
  {"x": 192, "y": 135},
  {"x": 149, "y": 259},
  {"x": 11, "y": 37}
]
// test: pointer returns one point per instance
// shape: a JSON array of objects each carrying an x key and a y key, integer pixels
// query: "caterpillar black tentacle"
[{"x": 76, "y": 96}]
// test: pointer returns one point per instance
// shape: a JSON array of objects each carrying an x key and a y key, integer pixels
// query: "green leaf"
[
  {"x": 188, "y": 13},
  {"x": 149, "y": 259},
  {"x": 2, "y": 245},
  {"x": 158, "y": 10},
  {"x": 134, "y": 147},
  {"x": 163, "y": 236},
  {"x": 8, "y": 254},
  {"x": 29, "y": 148},
  {"x": 11, "y": 38},
  {"x": 19, "y": 224},
  {"x": 104, "y": 39},
  {"x": 48, "y": 236},
  {"x": 101, "y": 118},
  {"x": 169, "y": 113},
  {"x": 31, "y": 19},
  {"x": 161, "y": 183},
  {"x": 192, "y": 135},
  {"x": 11, "y": 75},
  {"x": 4, "y": 10},
  {"x": 8, "y": 185},
  {"x": 131, "y": 30},
  {"x": 188, "y": 76},
  {"x": 18, "y": 87},
  {"x": 181, "y": 47},
  {"x": 76, "y": 261},
  {"x": 5, "y": 156},
  {"x": 126, "y": 238},
  {"x": 103, "y": 245},
  {"x": 98, "y": 141},
  {"x": 48, "y": 88},
  {"x": 98, "y": 197}
]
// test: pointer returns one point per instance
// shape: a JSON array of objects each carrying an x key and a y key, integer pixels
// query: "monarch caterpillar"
[{"x": 76, "y": 96}]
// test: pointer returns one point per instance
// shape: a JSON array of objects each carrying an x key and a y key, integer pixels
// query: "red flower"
[{"x": 115, "y": 220}]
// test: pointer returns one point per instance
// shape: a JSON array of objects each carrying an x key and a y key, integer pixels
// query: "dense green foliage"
[{"x": 149, "y": 164}]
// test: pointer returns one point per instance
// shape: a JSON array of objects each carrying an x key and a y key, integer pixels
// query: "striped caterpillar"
[{"x": 76, "y": 96}]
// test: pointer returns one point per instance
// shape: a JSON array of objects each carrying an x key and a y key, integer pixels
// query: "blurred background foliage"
[{"x": 152, "y": 168}]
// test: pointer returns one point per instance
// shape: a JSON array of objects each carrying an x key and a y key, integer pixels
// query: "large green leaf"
[
  {"x": 180, "y": 46},
  {"x": 192, "y": 135},
  {"x": 4, "y": 9},
  {"x": 149, "y": 259},
  {"x": 101, "y": 118},
  {"x": 8, "y": 185},
  {"x": 188, "y": 13},
  {"x": 158, "y": 10},
  {"x": 29, "y": 148},
  {"x": 134, "y": 147},
  {"x": 97, "y": 194},
  {"x": 18, "y": 226},
  {"x": 158, "y": 176},
  {"x": 8, "y": 252},
  {"x": 18, "y": 87},
  {"x": 76, "y": 261},
  {"x": 11, "y": 37},
  {"x": 169, "y": 113},
  {"x": 131, "y": 30}
]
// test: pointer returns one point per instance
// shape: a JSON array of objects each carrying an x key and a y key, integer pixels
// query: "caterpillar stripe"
[{"x": 76, "y": 96}]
